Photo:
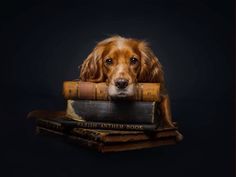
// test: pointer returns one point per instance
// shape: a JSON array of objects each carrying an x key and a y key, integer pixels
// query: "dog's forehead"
[
  {"x": 123, "y": 43},
  {"x": 124, "y": 47},
  {"x": 120, "y": 44}
]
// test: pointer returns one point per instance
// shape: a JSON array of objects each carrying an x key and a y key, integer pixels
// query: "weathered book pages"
[{"x": 73, "y": 90}]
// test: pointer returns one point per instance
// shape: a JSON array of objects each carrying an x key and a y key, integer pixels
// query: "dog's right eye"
[{"x": 109, "y": 61}]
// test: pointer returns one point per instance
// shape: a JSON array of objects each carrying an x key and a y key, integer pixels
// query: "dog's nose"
[{"x": 121, "y": 83}]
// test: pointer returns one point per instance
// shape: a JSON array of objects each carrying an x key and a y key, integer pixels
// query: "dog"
[{"x": 122, "y": 62}]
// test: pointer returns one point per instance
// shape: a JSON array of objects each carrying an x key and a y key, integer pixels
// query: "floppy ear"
[
  {"x": 151, "y": 69},
  {"x": 91, "y": 69}
]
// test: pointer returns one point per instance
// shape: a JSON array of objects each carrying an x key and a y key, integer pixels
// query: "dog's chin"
[{"x": 116, "y": 93}]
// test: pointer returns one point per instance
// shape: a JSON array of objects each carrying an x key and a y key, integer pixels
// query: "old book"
[
  {"x": 65, "y": 123},
  {"x": 114, "y": 111},
  {"x": 35, "y": 114},
  {"x": 109, "y": 147},
  {"x": 103, "y": 135},
  {"x": 73, "y": 90},
  {"x": 60, "y": 118},
  {"x": 109, "y": 136}
]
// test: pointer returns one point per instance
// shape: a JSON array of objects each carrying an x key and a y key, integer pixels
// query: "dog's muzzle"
[
  {"x": 121, "y": 89},
  {"x": 121, "y": 83}
]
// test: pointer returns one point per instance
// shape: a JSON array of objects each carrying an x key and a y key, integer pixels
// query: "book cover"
[
  {"x": 106, "y": 135},
  {"x": 64, "y": 123},
  {"x": 109, "y": 147},
  {"x": 114, "y": 111},
  {"x": 73, "y": 90}
]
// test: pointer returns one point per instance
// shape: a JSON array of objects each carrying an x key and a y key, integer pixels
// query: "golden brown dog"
[{"x": 122, "y": 62}]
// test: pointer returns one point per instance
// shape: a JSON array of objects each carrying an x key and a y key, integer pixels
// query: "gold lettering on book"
[
  {"x": 112, "y": 126},
  {"x": 87, "y": 125},
  {"x": 135, "y": 127}
]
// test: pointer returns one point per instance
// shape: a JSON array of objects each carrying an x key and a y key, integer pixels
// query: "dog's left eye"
[
  {"x": 133, "y": 60},
  {"x": 109, "y": 61}
]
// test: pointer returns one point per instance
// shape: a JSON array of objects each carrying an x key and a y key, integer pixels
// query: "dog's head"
[{"x": 121, "y": 62}]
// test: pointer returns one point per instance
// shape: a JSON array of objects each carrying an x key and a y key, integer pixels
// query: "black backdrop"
[{"x": 44, "y": 42}]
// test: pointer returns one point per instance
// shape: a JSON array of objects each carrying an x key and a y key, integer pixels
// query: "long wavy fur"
[{"x": 151, "y": 69}]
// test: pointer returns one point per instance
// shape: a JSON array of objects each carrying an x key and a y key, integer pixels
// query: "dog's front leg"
[{"x": 166, "y": 111}]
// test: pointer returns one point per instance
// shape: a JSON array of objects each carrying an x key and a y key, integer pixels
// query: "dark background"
[{"x": 43, "y": 43}]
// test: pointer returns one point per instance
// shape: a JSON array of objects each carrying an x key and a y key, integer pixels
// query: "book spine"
[
  {"x": 108, "y": 126},
  {"x": 98, "y": 146},
  {"x": 51, "y": 124},
  {"x": 45, "y": 131},
  {"x": 63, "y": 125},
  {"x": 98, "y": 91},
  {"x": 109, "y": 147},
  {"x": 114, "y": 126},
  {"x": 115, "y": 112}
]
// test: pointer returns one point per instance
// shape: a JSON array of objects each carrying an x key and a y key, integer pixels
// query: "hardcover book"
[
  {"x": 59, "y": 119},
  {"x": 104, "y": 135},
  {"x": 109, "y": 147},
  {"x": 73, "y": 90},
  {"x": 56, "y": 124},
  {"x": 67, "y": 123},
  {"x": 109, "y": 136},
  {"x": 114, "y": 111}
]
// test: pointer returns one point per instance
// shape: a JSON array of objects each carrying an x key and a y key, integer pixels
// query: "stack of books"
[{"x": 93, "y": 120}]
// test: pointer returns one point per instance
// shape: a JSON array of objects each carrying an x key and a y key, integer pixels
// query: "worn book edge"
[{"x": 111, "y": 147}]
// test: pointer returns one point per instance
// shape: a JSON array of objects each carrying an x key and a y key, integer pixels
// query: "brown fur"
[{"x": 147, "y": 69}]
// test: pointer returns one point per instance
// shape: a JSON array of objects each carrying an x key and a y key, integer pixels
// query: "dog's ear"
[
  {"x": 91, "y": 69},
  {"x": 151, "y": 69}
]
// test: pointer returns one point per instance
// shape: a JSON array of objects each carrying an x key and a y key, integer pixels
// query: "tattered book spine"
[
  {"x": 51, "y": 124},
  {"x": 115, "y": 126},
  {"x": 113, "y": 111},
  {"x": 64, "y": 125},
  {"x": 78, "y": 90},
  {"x": 109, "y": 147}
]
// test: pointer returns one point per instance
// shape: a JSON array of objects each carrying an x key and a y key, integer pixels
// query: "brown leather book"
[
  {"x": 52, "y": 123},
  {"x": 111, "y": 136},
  {"x": 118, "y": 147},
  {"x": 110, "y": 146},
  {"x": 98, "y": 91}
]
